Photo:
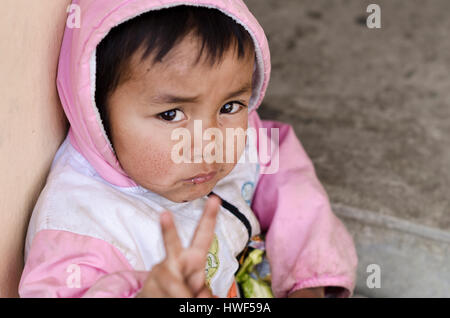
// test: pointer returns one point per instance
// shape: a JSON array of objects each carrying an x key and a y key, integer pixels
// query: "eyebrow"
[{"x": 172, "y": 99}]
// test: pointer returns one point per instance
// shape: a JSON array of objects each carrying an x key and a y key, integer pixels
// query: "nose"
[{"x": 207, "y": 139}]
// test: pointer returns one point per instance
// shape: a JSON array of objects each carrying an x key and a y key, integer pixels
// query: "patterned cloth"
[{"x": 253, "y": 276}]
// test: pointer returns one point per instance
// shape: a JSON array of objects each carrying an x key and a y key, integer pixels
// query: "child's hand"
[{"x": 182, "y": 273}]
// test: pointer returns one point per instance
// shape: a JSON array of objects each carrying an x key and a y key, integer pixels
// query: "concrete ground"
[{"x": 372, "y": 109}]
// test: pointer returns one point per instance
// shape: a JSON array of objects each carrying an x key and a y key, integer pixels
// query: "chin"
[{"x": 193, "y": 192}]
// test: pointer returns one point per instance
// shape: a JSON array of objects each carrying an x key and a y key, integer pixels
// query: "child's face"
[{"x": 142, "y": 122}]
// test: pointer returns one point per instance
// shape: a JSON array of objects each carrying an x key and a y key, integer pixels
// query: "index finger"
[
  {"x": 172, "y": 243},
  {"x": 204, "y": 233}
]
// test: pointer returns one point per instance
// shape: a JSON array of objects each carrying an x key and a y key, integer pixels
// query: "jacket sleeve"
[
  {"x": 65, "y": 264},
  {"x": 307, "y": 245}
]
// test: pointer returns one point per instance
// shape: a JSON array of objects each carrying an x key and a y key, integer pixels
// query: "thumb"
[{"x": 205, "y": 293}]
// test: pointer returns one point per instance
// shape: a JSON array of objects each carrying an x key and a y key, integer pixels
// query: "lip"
[{"x": 201, "y": 178}]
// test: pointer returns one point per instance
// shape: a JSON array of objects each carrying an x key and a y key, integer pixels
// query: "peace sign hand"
[{"x": 182, "y": 273}]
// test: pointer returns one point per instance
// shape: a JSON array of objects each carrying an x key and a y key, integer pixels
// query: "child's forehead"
[
  {"x": 184, "y": 82},
  {"x": 184, "y": 59}
]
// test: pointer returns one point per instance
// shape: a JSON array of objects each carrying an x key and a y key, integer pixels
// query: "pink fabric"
[
  {"x": 307, "y": 245},
  {"x": 65, "y": 264},
  {"x": 74, "y": 80}
]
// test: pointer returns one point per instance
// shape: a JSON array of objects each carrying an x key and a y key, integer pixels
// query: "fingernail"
[
  {"x": 165, "y": 217},
  {"x": 217, "y": 198}
]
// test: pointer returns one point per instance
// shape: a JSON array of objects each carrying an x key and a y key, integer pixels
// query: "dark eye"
[
  {"x": 230, "y": 108},
  {"x": 173, "y": 115}
]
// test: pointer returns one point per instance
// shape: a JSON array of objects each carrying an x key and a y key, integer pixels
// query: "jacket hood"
[{"x": 77, "y": 67}]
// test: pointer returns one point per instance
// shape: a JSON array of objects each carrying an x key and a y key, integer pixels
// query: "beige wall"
[{"x": 32, "y": 124}]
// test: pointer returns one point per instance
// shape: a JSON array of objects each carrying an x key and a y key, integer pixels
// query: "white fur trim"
[{"x": 93, "y": 68}]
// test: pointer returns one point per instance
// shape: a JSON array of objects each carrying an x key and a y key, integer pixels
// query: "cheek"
[
  {"x": 142, "y": 147},
  {"x": 155, "y": 160},
  {"x": 148, "y": 160}
]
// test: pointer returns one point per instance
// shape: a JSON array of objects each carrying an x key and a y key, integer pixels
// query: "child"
[{"x": 132, "y": 75}]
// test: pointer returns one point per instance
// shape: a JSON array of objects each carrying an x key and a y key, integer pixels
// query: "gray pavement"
[{"x": 372, "y": 109}]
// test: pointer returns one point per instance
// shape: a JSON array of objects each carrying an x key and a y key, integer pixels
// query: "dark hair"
[{"x": 161, "y": 30}]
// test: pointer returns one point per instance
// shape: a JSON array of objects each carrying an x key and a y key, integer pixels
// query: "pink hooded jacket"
[{"x": 306, "y": 244}]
